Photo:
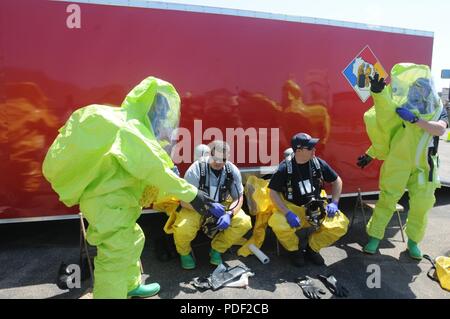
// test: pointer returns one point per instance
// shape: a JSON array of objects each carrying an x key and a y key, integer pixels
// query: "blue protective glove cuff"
[
  {"x": 332, "y": 209},
  {"x": 217, "y": 210},
  {"x": 292, "y": 219},
  {"x": 224, "y": 221},
  {"x": 406, "y": 115}
]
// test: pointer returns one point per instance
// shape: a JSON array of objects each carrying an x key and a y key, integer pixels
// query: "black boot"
[
  {"x": 297, "y": 258},
  {"x": 314, "y": 257}
]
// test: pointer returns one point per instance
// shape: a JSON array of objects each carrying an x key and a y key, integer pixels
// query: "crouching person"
[
  {"x": 296, "y": 190},
  {"x": 221, "y": 179}
]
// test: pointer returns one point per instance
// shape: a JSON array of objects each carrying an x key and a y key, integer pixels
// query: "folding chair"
[
  {"x": 361, "y": 204},
  {"x": 84, "y": 250}
]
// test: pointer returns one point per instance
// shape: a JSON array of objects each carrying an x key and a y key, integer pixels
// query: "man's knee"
[
  {"x": 278, "y": 222},
  {"x": 242, "y": 220},
  {"x": 185, "y": 226}
]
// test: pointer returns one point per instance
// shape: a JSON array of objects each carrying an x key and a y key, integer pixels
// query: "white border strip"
[
  {"x": 144, "y": 211},
  {"x": 252, "y": 14},
  {"x": 53, "y": 218},
  {"x": 261, "y": 170},
  {"x": 37, "y": 219},
  {"x": 148, "y": 211}
]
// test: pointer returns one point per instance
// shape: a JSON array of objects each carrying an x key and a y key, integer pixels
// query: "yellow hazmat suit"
[
  {"x": 102, "y": 159},
  {"x": 404, "y": 147},
  {"x": 260, "y": 204},
  {"x": 330, "y": 230},
  {"x": 188, "y": 223}
]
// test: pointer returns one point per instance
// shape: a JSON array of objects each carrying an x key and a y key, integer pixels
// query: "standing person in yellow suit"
[
  {"x": 221, "y": 179},
  {"x": 297, "y": 182},
  {"x": 404, "y": 127},
  {"x": 103, "y": 159}
]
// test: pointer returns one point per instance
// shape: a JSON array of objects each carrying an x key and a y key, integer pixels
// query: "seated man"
[
  {"x": 221, "y": 179},
  {"x": 294, "y": 188},
  {"x": 164, "y": 247},
  {"x": 200, "y": 151}
]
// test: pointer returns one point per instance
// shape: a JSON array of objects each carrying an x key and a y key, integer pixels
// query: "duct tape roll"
[{"x": 259, "y": 254}]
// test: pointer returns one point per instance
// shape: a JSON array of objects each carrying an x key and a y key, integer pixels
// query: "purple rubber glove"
[
  {"x": 217, "y": 210},
  {"x": 224, "y": 222},
  {"x": 406, "y": 115},
  {"x": 292, "y": 219},
  {"x": 332, "y": 209}
]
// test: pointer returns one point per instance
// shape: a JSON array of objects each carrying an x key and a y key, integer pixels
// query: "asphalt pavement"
[{"x": 31, "y": 253}]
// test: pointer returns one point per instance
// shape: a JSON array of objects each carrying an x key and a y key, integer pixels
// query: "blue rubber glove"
[
  {"x": 292, "y": 219},
  {"x": 332, "y": 209},
  {"x": 224, "y": 222},
  {"x": 217, "y": 210},
  {"x": 406, "y": 115}
]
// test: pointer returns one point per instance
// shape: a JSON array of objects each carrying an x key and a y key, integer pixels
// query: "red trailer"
[{"x": 254, "y": 76}]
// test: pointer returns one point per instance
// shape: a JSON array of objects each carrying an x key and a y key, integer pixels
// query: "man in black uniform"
[{"x": 296, "y": 190}]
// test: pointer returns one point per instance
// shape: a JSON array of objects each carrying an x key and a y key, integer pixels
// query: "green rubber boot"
[
  {"x": 215, "y": 257},
  {"x": 372, "y": 246},
  {"x": 413, "y": 250},
  {"x": 187, "y": 261},
  {"x": 144, "y": 291}
]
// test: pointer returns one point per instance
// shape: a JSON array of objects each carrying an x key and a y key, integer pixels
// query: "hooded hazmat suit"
[
  {"x": 102, "y": 159},
  {"x": 409, "y": 160}
]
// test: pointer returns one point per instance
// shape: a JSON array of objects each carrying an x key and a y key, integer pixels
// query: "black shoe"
[
  {"x": 297, "y": 258},
  {"x": 314, "y": 257}
]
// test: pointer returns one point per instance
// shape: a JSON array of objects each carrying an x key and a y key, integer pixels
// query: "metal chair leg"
[
  {"x": 353, "y": 214},
  {"x": 364, "y": 215},
  {"x": 83, "y": 245},
  {"x": 142, "y": 268},
  {"x": 359, "y": 205},
  {"x": 401, "y": 225}
]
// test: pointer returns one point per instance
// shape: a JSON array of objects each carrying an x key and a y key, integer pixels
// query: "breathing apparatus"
[
  {"x": 315, "y": 211},
  {"x": 209, "y": 222}
]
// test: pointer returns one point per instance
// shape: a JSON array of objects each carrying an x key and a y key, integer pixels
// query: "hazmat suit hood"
[
  {"x": 156, "y": 104},
  {"x": 413, "y": 88},
  {"x": 104, "y": 159},
  {"x": 102, "y": 149}
]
